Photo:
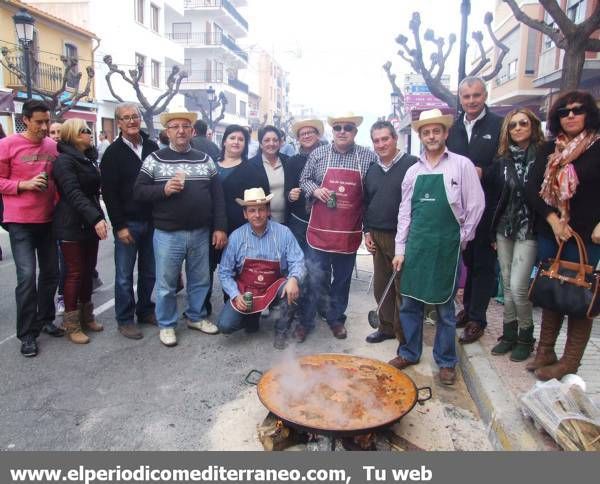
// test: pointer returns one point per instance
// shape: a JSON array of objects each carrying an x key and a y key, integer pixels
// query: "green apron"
[{"x": 433, "y": 246}]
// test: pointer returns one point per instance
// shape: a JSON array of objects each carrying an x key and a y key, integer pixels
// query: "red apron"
[
  {"x": 338, "y": 229},
  {"x": 263, "y": 279}
]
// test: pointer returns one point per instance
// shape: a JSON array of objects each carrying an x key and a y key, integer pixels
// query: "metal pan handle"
[
  {"x": 421, "y": 401},
  {"x": 251, "y": 380}
]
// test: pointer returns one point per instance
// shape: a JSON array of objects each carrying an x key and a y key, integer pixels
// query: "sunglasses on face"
[
  {"x": 564, "y": 112},
  {"x": 522, "y": 122},
  {"x": 348, "y": 128},
  {"x": 85, "y": 131}
]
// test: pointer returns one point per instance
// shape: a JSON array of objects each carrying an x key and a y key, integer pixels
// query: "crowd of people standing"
[{"x": 282, "y": 232}]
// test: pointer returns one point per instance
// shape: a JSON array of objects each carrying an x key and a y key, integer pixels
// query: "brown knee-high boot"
[
  {"x": 551, "y": 324},
  {"x": 88, "y": 321},
  {"x": 578, "y": 335}
]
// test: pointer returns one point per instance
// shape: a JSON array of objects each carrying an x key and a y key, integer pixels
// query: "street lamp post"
[
  {"x": 210, "y": 96},
  {"x": 395, "y": 98},
  {"x": 465, "y": 11},
  {"x": 24, "y": 26}
]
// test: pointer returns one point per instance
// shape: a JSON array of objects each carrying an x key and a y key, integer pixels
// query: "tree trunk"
[
  {"x": 573, "y": 60},
  {"x": 149, "y": 120}
]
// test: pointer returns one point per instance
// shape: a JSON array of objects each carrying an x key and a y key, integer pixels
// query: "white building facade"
[{"x": 129, "y": 31}]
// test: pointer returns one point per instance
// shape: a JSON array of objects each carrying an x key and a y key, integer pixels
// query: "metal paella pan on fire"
[{"x": 338, "y": 393}]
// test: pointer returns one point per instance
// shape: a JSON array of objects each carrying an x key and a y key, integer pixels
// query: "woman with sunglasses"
[
  {"x": 78, "y": 224},
  {"x": 564, "y": 191},
  {"x": 273, "y": 165},
  {"x": 521, "y": 136}
]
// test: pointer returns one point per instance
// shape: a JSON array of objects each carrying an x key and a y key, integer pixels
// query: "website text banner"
[{"x": 296, "y": 467}]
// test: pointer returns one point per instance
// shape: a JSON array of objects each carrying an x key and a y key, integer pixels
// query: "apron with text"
[
  {"x": 433, "y": 245},
  {"x": 263, "y": 279},
  {"x": 338, "y": 229}
]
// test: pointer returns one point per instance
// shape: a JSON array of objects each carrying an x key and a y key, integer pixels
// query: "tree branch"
[
  {"x": 553, "y": 33},
  {"x": 387, "y": 67},
  {"x": 564, "y": 23}
]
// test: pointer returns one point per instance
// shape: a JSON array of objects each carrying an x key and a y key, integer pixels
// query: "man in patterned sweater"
[{"x": 188, "y": 201}]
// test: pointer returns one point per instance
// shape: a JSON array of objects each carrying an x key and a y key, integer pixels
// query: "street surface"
[{"x": 121, "y": 394}]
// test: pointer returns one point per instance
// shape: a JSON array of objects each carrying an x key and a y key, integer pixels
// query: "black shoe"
[
  {"x": 29, "y": 347},
  {"x": 378, "y": 337},
  {"x": 52, "y": 330}
]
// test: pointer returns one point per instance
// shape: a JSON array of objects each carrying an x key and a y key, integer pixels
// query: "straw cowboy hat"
[
  {"x": 306, "y": 123},
  {"x": 432, "y": 116},
  {"x": 345, "y": 118},
  {"x": 253, "y": 197},
  {"x": 177, "y": 112}
]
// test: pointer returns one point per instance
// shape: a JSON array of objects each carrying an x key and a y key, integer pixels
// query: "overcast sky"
[{"x": 334, "y": 49}]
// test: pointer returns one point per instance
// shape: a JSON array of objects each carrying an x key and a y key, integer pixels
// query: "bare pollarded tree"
[
  {"x": 133, "y": 77},
  {"x": 62, "y": 98},
  {"x": 574, "y": 38},
  {"x": 433, "y": 71},
  {"x": 220, "y": 105}
]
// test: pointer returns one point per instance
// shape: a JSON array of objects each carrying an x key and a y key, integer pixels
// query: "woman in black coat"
[
  {"x": 78, "y": 224},
  {"x": 273, "y": 167},
  {"x": 564, "y": 191}
]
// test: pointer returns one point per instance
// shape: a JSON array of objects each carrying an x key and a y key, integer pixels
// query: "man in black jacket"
[
  {"x": 202, "y": 143},
  {"x": 131, "y": 221},
  {"x": 475, "y": 135}
]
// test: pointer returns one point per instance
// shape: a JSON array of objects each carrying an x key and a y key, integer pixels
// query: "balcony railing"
[
  {"x": 45, "y": 77},
  {"x": 218, "y": 4},
  {"x": 209, "y": 39},
  {"x": 204, "y": 76}
]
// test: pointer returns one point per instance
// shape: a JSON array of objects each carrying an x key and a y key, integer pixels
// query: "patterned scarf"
[{"x": 560, "y": 179}]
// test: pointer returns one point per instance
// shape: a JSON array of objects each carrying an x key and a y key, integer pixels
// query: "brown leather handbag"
[{"x": 567, "y": 287}]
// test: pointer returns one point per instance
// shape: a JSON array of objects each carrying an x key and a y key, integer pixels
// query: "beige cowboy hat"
[
  {"x": 345, "y": 118},
  {"x": 432, "y": 116},
  {"x": 253, "y": 197},
  {"x": 177, "y": 112},
  {"x": 305, "y": 123}
]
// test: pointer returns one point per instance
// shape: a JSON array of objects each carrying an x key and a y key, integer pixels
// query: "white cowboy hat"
[
  {"x": 312, "y": 123},
  {"x": 254, "y": 196},
  {"x": 177, "y": 112},
  {"x": 432, "y": 116},
  {"x": 345, "y": 118}
]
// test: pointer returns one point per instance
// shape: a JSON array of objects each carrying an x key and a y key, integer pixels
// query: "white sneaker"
[
  {"x": 59, "y": 304},
  {"x": 203, "y": 325},
  {"x": 167, "y": 337}
]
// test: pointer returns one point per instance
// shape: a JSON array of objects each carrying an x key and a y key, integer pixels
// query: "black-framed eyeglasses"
[
  {"x": 348, "y": 128},
  {"x": 309, "y": 132},
  {"x": 85, "y": 131},
  {"x": 521, "y": 122},
  {"x": 128, "y": 118},
  {"x": 576, "y": 110}
]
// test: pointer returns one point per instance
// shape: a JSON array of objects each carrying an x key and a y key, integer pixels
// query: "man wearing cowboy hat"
[
  {"x": 187, "y": 200},
  {"x": 442, "y": 202},
  {"x": 262, "y": 259},
  {"x": 332, "y": 180}
]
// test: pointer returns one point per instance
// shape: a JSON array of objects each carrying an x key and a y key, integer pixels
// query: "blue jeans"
[
  {"x": 444, "y": 347},
  {"x": 35, "y": 303},
  {"x": 230, "y": 320},
  {"x": 125, "y": 257},
  {"x": 319, "y": 266},
  {"x": 170, "y": 250}
]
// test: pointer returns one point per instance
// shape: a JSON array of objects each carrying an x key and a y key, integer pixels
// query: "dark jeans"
[
  {"x": 319, "y": 265},
  {"x": 80, "y": 260},
  {"x": 35, "y": 304},
  {"x": 480, "y": 259},
  {"x": 125, "y": 257}
]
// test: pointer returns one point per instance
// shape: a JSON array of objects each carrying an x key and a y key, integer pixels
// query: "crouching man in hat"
[
  {"x": 442, "y": 202},
  {"x": 261, "y": 267}
]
